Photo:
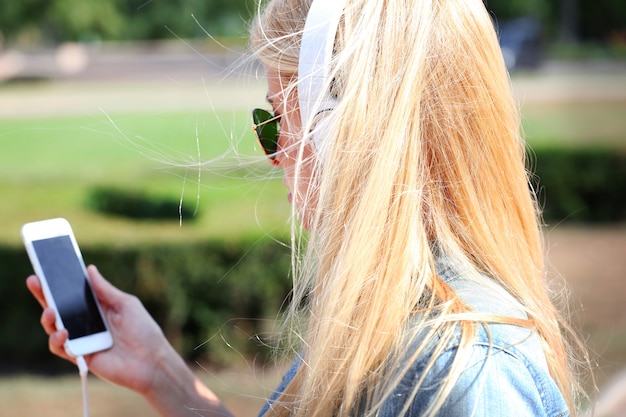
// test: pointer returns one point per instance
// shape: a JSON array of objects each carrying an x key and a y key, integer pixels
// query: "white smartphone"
[{"x": 58, "y": 263}]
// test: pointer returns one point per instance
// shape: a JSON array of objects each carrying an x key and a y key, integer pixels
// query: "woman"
[{"x": 420, "y": 289}]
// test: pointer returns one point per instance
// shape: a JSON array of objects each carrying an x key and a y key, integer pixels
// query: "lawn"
[
  {"x": 242, "y": 388},
  {"x": 576, "y": 124},
  {"x": 209, "y": 162}
]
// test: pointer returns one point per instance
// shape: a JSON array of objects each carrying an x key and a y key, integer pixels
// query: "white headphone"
[{"x": 316, "y": 49}]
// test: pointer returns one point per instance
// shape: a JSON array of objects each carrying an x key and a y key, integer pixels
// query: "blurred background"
[{"x": 131, "y": 119}]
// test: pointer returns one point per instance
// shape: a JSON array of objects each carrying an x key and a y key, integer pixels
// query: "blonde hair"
[{"x": 425, "y": 158}]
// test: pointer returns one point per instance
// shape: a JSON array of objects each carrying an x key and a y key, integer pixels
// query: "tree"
[
  {"x": 508, "y": 9},
  {"x": 568, "y": 21},
  {"x": 101, "y": 19},
  {"x": 599, "y": 20},
  {"x": 52, "y": 21}
]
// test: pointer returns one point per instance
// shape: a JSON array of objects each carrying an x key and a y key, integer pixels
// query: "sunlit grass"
[
  {"x": 576, "y": 124},
  {"x": 208, "y": 163},
  {"x": 243, "y": 389}
]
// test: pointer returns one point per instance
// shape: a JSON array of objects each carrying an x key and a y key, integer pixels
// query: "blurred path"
[
  {"x": 566, "y": 82},
  {"x": 141, "y": 78},
  {"x": 127, "y": 96},
  {"x": 147, "y": 77}
]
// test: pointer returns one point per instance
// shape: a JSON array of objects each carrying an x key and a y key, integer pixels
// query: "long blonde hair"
[{"x": 425, "y": 158}]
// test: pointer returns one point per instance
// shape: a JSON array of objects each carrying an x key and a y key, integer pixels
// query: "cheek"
[
  {"x": 307, "y": 181},
  {"x": 303, "y": 192}
]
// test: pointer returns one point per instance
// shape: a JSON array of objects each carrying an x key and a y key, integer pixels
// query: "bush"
[
  {"x": 212, "y": 299},
  {"x": 581, "y": 185},
  {"x": 137, "y": 204}
]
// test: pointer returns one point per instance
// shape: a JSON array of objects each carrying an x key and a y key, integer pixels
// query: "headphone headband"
[{"x": 316, "y": 49}]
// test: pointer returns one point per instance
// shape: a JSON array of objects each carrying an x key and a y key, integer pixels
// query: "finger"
[
  {"x": 105, "y": 292},
  {"x": 56, "y": 344},
  {"x": 48, "y": 321},
  {"x": 34, "y": 286}
]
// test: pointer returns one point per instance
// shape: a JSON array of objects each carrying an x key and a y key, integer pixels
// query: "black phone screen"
[{"x": 69, "y": 286}]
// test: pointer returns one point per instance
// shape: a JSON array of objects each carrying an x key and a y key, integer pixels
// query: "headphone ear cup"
[{"x": 321, "y": 133}]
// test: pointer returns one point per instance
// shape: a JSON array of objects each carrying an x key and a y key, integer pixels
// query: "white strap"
[{"x": 318, "y": 39}]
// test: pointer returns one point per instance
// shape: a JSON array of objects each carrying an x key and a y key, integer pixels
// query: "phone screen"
[{"x": 69, "y": 286}]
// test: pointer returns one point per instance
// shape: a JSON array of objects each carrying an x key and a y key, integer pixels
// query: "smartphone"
[{"x": 57, "y": 261}]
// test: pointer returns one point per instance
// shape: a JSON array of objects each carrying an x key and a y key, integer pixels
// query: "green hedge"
[
  {"x": 212, "y": 299},
  {"x": 136, "y": 204},
  {"x": 584, "y": 185}
]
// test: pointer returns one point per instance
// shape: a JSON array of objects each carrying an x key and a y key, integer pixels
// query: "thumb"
[{"x": 105, "y": 292}]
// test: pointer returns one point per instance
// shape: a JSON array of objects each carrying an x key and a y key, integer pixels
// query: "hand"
[{"x": 138, "y": 342}]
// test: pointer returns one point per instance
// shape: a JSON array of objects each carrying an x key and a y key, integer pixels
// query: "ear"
[{"x": 323, "y": 125}]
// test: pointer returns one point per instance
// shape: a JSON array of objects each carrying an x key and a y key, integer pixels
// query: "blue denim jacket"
[{"x": 506, "y": 374}]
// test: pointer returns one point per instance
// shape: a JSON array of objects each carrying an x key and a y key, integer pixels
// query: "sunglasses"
[{"x": 267, "y": 126}]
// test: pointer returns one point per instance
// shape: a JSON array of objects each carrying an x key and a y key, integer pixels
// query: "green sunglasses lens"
[{"x": 266, "y": 127}]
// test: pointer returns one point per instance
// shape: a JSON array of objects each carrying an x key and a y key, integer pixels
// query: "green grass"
[
  {"x": 48, "y": 165},
  {"x": 576, "y": 124},
  {"x": 97, "y": 146}
]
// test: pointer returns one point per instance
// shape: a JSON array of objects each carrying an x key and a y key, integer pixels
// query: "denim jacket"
[{"x": 505, "y": 375}]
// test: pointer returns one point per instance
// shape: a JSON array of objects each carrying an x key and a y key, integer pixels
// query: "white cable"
[{"x": 83, "y": 370}]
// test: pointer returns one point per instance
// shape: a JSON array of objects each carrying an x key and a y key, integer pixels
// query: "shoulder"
[
  {"x": 501, "y": 375},
  {"x": 503, "y": 370},
  {"x": 495, "y": 380}
]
